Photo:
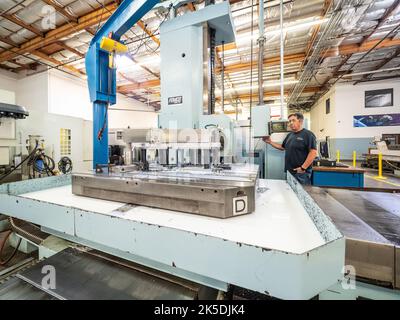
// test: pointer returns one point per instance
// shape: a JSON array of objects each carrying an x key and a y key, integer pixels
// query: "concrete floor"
[{"x": 390, "y": 184}]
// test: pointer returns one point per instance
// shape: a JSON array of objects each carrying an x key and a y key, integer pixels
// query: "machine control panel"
[{"x": 281, "y": 126}]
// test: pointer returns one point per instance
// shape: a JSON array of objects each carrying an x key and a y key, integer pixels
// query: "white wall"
[
  {"x": 133, "y": 119},
  {"x": 351, "y": 102},
  {"x": 69, "y": 96},
  {"x": 48, "y": 126},
  {"x": 322, "y": 124},
  {"x": 33, "y": 92},
  {"x": 56, "y": 100},
  {"x": 8, "y": 81},
  {"x": 348, "y": 101},
  {"x": 7, "y": 126}
]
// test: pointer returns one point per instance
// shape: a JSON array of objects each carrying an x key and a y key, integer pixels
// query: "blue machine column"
[
  {"x": 100, "y": 133},
  {"x": 101, "y": 74}
]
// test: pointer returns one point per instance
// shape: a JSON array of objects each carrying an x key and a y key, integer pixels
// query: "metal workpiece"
[
  {"x": 175, "y": 147},
  {"x": 171, "y": 136},
  {"x": 207, "y": 193}
]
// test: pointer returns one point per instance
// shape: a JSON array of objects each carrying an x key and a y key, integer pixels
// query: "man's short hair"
[{"x": 298, "y": 115}]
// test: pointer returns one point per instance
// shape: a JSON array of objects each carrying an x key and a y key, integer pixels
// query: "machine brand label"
[{"x": 175, "y": 100}]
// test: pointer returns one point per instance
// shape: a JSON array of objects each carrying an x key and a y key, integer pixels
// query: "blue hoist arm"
[{"x": 101, "y": 78}]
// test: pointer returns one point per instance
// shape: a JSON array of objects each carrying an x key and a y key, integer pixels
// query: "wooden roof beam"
[
  {"x": 139, "y": 85},
  {"x": 9, "y": 42},
  {"x": 355, "y": 48},
  {"x": 191, "y": 6},
  {"x": 57, "y": 63},
  {"x": 70, "y": 49},
  {"x": 393, "y": 8},
  {"x": 148, "y": 32},
  {"x": 61, "y": 10},
  {"x": 383, "y": 63},
  {"x": 22, "y": 24},
  {"x": 63, "y": 31}
]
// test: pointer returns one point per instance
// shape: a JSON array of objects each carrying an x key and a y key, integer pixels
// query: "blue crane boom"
[{"x": 102, "y": 77}]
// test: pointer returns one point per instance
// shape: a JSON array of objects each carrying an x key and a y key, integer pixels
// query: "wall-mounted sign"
[
  {"x": 379, "y": 98},
  {"x": 378, "y": 120},
  {"x": 175, "y": 100}
]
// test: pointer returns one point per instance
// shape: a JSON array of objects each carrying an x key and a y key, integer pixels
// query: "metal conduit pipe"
[
  {"x": 261, "y": 41},
  {"x": 340, "y": 15},
  {"x": 282, "y": 62}
]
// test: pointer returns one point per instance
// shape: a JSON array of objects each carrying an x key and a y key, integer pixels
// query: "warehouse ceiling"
[{"x": 325, "y": 42}]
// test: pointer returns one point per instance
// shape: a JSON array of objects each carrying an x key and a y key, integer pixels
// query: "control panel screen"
[{"x": 281, "y": 126}]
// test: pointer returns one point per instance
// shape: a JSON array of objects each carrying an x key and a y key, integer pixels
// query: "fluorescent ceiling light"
[
  {"x": 276, "y": 104},
  {"x": 290, "y": 27},
  {"x": 304, "y": 25},
  {"x": 277, "y": 83},
  {"x": 266, "y": 85},
  {"x": 152, "y": 60},
  {"x": 123, "y": 62}
]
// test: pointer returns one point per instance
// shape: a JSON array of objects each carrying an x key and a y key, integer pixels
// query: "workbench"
[
  {"x": 288, "y": 248},
  {"x": 341, "y": 176}
]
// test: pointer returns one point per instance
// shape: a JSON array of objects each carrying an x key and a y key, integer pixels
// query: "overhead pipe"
[
  {"x": 261, "y": 42},
  {"x": 223, "y": 77},
  {"x": 282, "y": 61},
  {"x": 370, "y": 72}
]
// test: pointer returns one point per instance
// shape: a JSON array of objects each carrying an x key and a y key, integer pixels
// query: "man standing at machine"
[{"x": 301, "y": 149}]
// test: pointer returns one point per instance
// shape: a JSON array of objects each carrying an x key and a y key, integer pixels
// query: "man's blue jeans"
[{"x": 303, "y": 178}]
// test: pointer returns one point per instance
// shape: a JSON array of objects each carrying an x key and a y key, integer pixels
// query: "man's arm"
[
  {"x": 274, "y": 144},
  {"x": 310, "y": 159}
]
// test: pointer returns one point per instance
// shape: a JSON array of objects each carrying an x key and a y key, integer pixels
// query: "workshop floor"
[{"x": 391, "y": 183}]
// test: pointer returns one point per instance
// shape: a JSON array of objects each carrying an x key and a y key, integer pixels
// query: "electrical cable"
[
  {"x": 47, "y": 166},
  {"x": 38, "y": 163},
  {"x": 101, "y": 131},
  {"x": 2, "y": 246},
  {"x": 27, "y": 230},
  {"x": 65, "y": 165},
  {"x": 22, "y": 229},
  {"x": 29, "y": 156},
  {"x": 155, "y": 32}
]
